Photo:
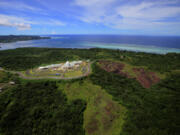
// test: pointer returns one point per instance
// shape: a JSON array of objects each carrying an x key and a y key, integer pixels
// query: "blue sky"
[{"x": 129, "y": 17}]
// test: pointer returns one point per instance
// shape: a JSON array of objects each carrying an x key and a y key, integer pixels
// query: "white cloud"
[
  {"x": 12, "y": 21},
  {"x": 53, "y": 32},
  {"x": 25, "y": 24},
  {"x": 18, "y": 6},
  {"x": 55, "y": 22},
  {"x": 48, "y": 21},
  {"x": 148, "y": 10},
  {"x": 95, "y": 10},
  {"x": 22, "y": 23},
  {"x": 127, "y": 15},
  {"x": 93, "y": 3}
]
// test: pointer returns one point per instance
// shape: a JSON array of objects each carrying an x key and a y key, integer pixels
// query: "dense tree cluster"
[
  {"x": 40, "y": 109},
  {"x": 160, "y": 63},
  {"x": 5, "y": 77}
]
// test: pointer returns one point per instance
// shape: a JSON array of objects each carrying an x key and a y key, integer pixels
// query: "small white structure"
[
  {"x": 66, "y": 65},
  {"x": 40, "y": 68},
  {"x": 71, "y": 64},
  {"x": 12, "y": 83},
  {"x": 76, "y": 63},
  {"x": 51, "y": 66}
]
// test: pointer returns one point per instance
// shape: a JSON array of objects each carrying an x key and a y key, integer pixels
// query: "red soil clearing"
[
  {"x": 113, "y": 67},
  {"x": 145, "y": 78}
]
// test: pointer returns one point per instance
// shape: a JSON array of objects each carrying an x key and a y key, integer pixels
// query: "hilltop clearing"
[{"x": 144, "y": 77}]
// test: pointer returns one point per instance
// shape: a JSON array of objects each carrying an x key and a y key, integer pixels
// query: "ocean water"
[{"x": 149, "y": 44}]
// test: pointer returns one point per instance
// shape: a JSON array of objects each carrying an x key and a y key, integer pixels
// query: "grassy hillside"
[{"x": 102, "y": 114}]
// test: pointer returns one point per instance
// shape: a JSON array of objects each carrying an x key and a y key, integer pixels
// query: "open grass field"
[
  {"x": 73, "y": 73},
  {"x": 103, "y": 116}
]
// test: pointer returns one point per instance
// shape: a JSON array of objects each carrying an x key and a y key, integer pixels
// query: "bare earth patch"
[
  {"x": 145, "y": 78},
  {"x": 114, "y": 67},
  {"x": 109, "y": 118}
]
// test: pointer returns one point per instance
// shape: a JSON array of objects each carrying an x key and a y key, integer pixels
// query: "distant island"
[{"x": 14, "y": 38}]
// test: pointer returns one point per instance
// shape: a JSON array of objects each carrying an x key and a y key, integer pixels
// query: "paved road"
[{"x": 48, "y": 77}]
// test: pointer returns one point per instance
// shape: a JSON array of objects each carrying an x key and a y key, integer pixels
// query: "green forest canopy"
[
  {"x": 25, "y": 58},
  {"x": 40, "y": 108}
]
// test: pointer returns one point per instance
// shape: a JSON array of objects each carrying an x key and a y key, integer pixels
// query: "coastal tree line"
[{"x": 26, "y": 58}]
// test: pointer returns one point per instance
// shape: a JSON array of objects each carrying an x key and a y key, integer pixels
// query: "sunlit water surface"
[{"x": 160, "y": 45}]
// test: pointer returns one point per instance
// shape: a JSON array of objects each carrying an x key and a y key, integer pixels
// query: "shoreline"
[
  {"x": 135, "y": 50},
  {"x": 54, "y": 43}
]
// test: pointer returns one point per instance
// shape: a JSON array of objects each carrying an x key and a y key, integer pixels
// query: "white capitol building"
[{"x": 62, "y": 66}]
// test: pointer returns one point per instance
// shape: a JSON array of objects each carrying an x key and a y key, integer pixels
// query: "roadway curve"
[{"x": 58, "y": 78}]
